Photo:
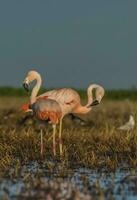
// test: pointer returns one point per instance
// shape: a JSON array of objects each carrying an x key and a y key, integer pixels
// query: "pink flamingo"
[
  {"x": 46, "y": 110},
  {"x": 67, "y": 98}
]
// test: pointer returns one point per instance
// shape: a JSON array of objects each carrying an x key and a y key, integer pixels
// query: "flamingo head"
[
  {"x": 98, "y": 94},
  {"x": 31, "y": 76}
]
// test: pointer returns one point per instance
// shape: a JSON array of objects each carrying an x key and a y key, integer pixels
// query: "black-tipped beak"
[
  {"x": 26, "y": 86},
  {"x": 94, "y": 103}
]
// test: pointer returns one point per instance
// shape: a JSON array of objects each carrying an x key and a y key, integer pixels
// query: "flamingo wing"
[
  {"x": 47, "y": 109},
  {"x": 67, "y": 98}
]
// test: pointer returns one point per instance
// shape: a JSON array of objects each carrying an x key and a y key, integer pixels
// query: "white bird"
[{"x": 129, "y": 125}]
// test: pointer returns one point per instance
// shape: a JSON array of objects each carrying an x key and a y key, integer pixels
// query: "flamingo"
[
  {"x": 67, "y": 98},
  {"x": 46, "y": 110}
]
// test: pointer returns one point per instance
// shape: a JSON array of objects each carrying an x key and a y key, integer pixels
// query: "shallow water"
[{"x": 117, "y": 185}]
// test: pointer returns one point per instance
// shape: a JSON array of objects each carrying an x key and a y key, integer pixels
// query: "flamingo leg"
[
  {"x": 60, "y": 138},
  {"x": 54, "y": 140},
  {"x": 41, "y": 143}
]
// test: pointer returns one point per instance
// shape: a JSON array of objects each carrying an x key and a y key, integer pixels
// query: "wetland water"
[{"x": 36, "y": 182}]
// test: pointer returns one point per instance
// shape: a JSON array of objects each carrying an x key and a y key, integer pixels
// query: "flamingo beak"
[
  {"x": 26, "y": 86},
  {"x": 94, "y": 103}
]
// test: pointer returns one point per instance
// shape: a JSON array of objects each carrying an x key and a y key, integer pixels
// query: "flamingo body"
[
  {"x": 67, "y": 98},
  {"x": 47, "y": 110}
]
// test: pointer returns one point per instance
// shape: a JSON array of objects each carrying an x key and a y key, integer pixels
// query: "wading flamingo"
[
  {"x": 68, "y": 99},
  {"x": 46, "y": 110}
]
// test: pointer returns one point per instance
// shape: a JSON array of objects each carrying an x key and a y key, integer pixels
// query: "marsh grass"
[{"x": 97, "y": 145}]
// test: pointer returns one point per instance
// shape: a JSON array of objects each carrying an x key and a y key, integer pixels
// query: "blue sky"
[{"x": 72, "y": 43}]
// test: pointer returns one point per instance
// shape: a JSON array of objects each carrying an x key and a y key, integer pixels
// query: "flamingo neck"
[
  {"x": 35, "y": 90},
  {"x": 82, "y": 110},
  {"x": 90, "y": 94},
  {"x": 85, "y": 109},
  {"x": 98, "y": 95}
]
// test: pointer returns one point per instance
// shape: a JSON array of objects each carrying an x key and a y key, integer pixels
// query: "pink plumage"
[
  {"x": 65, "y": 100},
  {"x": 47, "y": 110}
]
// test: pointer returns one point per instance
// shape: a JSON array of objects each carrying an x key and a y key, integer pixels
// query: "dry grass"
[{"x": 97, "y": 145}]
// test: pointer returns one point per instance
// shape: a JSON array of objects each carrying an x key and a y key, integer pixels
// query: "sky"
[{"x": 71, "y": 43}]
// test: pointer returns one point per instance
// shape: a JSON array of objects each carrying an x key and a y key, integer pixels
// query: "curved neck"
[
  {"x": 99, "y": 93},
  {"x": 35, "y": 90},
  {"x": 86, "y": 108},
  {"x": 90, "y": 94},
  {"x": 82, "y": 110}
]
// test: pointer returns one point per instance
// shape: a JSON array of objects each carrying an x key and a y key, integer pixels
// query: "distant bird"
[
  {"x": 67, "y": 98},
  {"x": 129, "y": 125}
]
